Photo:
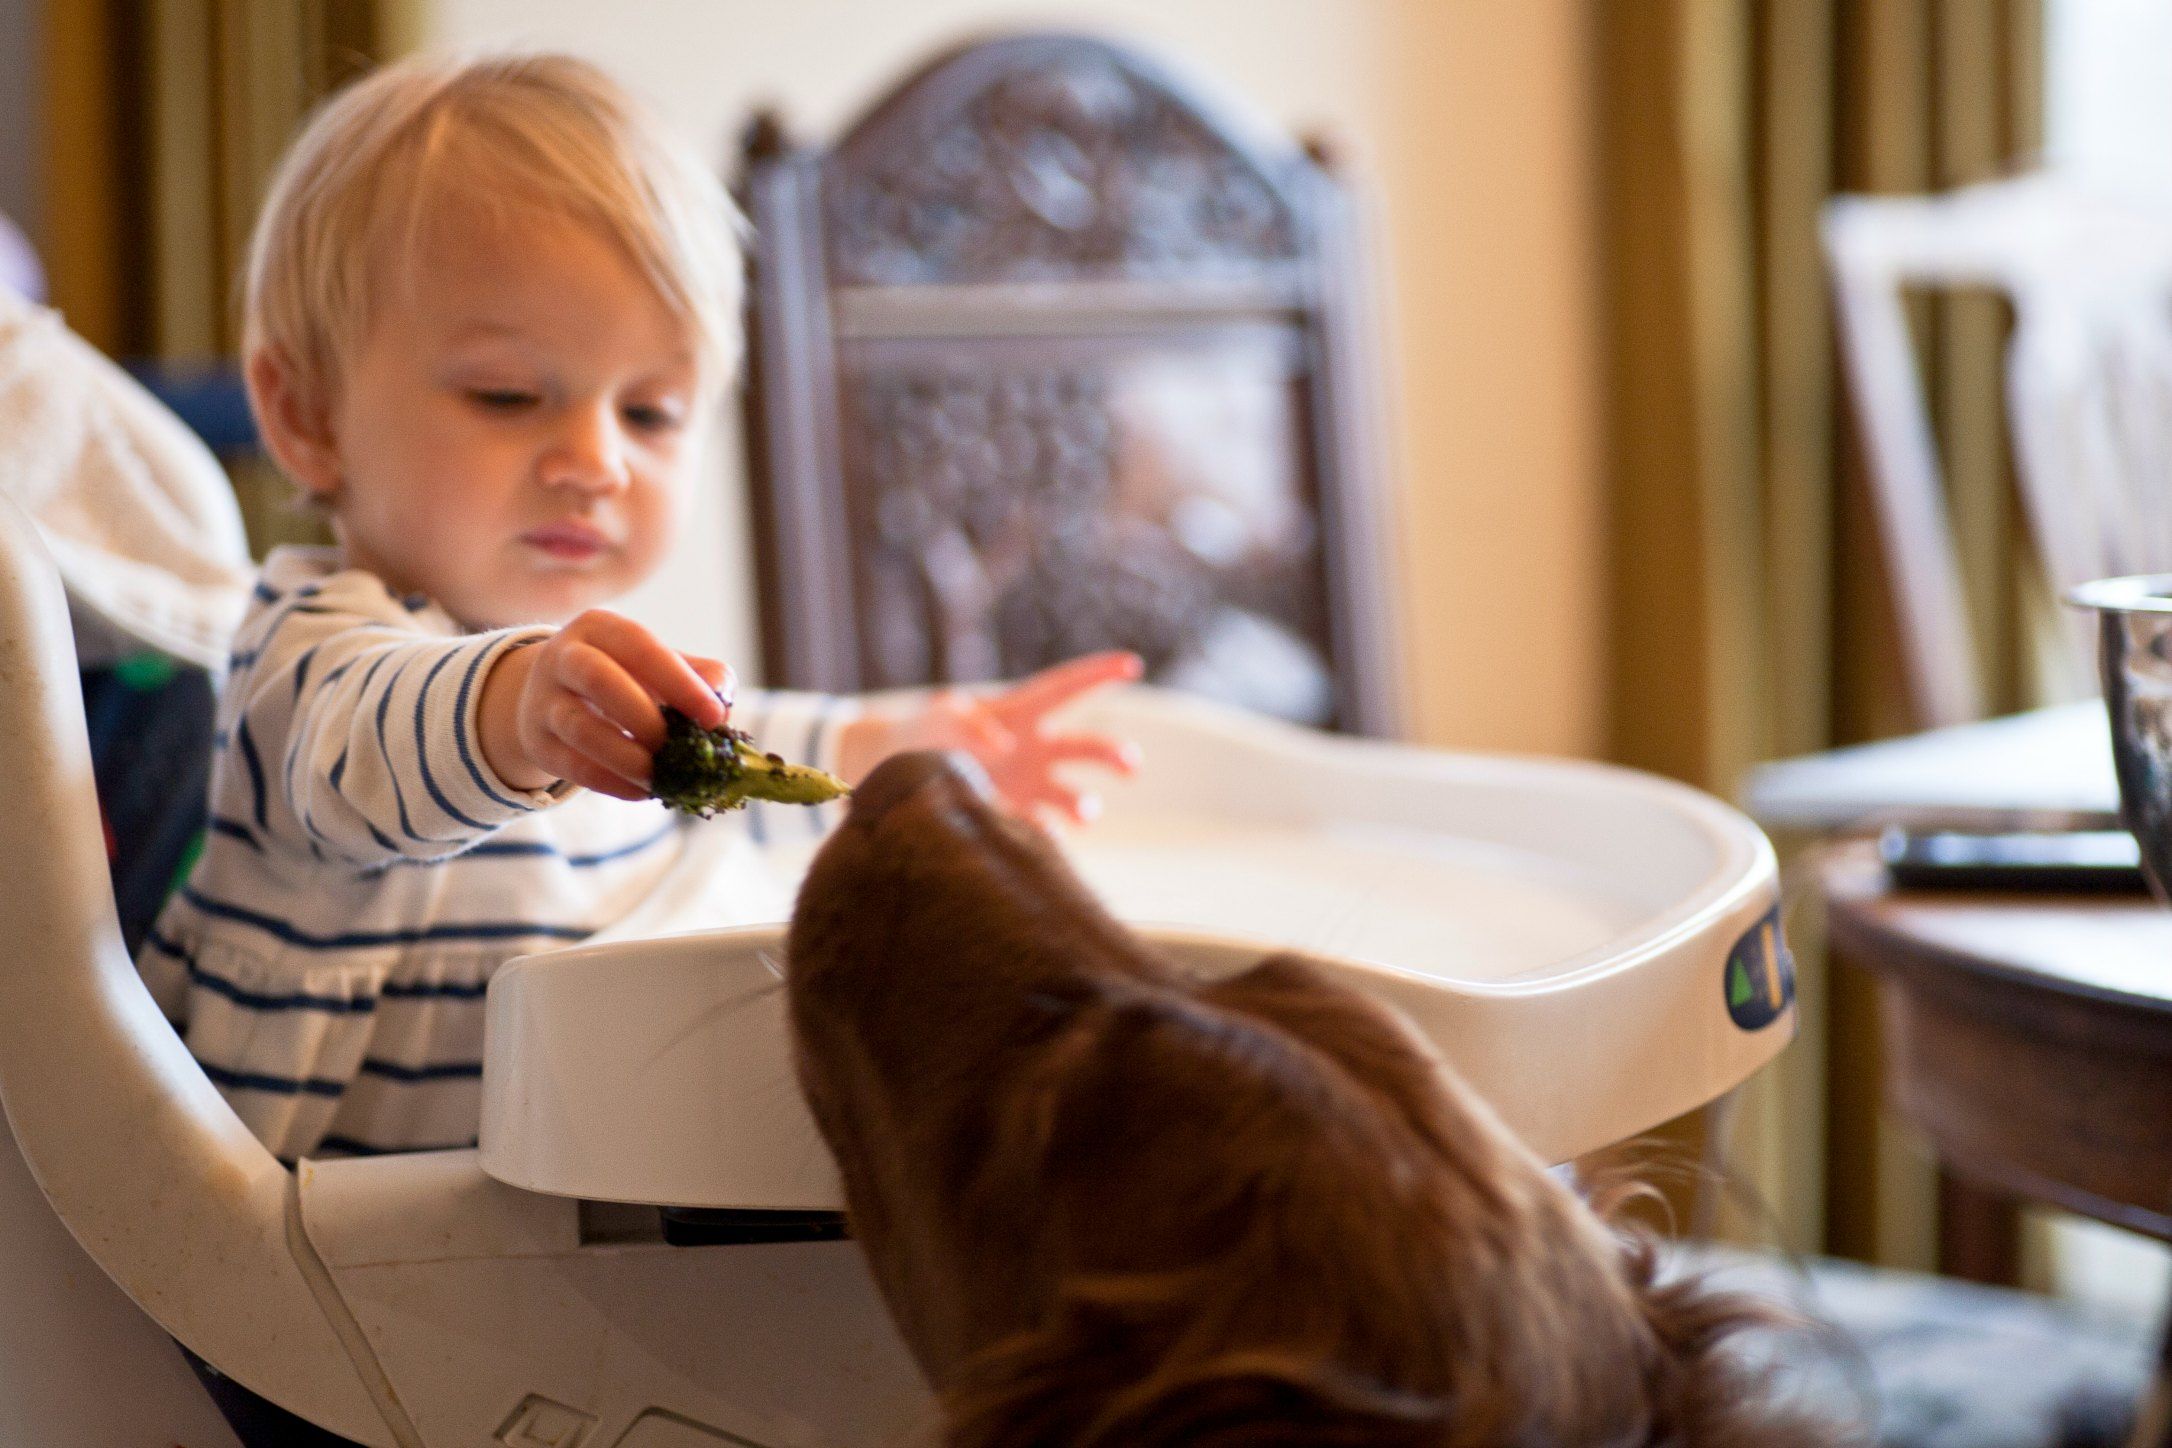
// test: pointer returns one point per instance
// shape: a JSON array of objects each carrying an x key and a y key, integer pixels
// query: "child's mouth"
[{"x": 566, "y": 542}]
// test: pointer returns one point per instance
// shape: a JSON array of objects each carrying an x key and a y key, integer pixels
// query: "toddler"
[{"x": 490, "y": 309}]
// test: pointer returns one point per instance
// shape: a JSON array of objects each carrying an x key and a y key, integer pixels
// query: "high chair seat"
[{"x": 417, "y": 1300}]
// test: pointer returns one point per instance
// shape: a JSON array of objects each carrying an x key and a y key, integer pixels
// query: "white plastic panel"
[
  {"x": 495, "y": 1322},
  {"x": 652, "y": 1071},
  {"x": 1561, "y": 931},
  {"x": 138, "y": 1155}
]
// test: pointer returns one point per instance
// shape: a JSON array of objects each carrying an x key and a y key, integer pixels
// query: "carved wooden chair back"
[{"x": 1049, "y": 354}]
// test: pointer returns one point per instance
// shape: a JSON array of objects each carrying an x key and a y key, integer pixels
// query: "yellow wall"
[{"x": 1462, "y": 121}]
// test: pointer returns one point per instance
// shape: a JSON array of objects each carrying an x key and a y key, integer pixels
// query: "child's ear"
[{"x": 295, "y": 422}]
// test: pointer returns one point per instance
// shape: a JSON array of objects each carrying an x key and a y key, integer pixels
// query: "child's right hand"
[{"x": 585, "y": 705}]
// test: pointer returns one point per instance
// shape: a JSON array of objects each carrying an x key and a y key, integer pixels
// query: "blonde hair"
[{"x": 362, "y": 181}]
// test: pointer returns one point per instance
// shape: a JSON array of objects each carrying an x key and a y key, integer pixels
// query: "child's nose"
[{"x": 590, "y": 454}]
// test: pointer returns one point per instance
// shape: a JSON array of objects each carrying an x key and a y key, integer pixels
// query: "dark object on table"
[
  {"x": 701, "y": 771},
  {"x": 2087, "y": 862},
  {"x": 1048, "y": 354}
]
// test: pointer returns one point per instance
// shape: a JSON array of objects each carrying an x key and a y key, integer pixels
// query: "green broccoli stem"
[{"x": 702, "y": 771}]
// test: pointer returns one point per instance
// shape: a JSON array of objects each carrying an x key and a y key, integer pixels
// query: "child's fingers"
[
  {"x": 597, "y": 680},
  {"x": 1119, "y": 755},
  {"x": 718, "y": 675},
  {"x": 1062, "y": 802},
  {"x": 589, "y": 752},
  {"x": 1052, "y": 688},
  {"x": 576, "y": 768},
  {"x": 973, "y": 727},
  {"x": 663, "y": 671},
  {"x": 602, "y": 781}
]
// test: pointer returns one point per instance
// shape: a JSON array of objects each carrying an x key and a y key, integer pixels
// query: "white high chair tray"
[{"x": 1594, "y": 949}]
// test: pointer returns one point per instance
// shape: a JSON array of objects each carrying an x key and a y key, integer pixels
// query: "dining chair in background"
[
  {"x": 2088, "y": 394},
  {"x": 1051, "y": 353}
]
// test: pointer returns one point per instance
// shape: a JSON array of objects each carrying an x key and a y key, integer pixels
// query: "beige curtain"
[
  {"x": 166, "y": 117},
  {"x": 92, "y": 210},
  {"x": 1749, "y": 618}
]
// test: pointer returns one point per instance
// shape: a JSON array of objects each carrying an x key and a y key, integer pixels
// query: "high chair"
[{"x": 1595, "y": 950}]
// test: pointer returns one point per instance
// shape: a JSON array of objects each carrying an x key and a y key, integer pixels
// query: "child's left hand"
[{"x": 1007, "y": 731}]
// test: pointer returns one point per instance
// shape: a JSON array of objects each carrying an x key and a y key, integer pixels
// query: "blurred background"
[{"x": 1627, "y": 515}]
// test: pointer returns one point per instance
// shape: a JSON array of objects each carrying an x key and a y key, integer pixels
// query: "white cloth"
[
  {"x": 19, "y": 269},
  {"x": 136, "y": 512},
  {"x": 366, "y": 871}
]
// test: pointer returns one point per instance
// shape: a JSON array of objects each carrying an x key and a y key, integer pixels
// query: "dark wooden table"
[{"x": 2029, "y": 1038}]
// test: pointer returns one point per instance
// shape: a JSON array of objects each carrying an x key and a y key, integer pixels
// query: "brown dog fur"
[{"x": 1108, "y": 1205}]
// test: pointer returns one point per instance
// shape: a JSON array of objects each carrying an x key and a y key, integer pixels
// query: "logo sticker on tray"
[{"x": 1760, "y": 977}]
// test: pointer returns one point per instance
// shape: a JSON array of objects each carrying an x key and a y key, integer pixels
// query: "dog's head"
[{"x": 1111, "y": 1205}]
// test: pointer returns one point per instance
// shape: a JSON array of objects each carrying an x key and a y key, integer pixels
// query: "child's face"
[{"x": 518, "y": 430}]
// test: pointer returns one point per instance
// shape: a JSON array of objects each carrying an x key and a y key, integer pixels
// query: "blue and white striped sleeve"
[
  {"x": 358, "y": 730},
  {"x": 806, "y": 729}
]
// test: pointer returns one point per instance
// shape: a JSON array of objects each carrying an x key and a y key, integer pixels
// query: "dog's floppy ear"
[{"x": 1382, "y": 1052}]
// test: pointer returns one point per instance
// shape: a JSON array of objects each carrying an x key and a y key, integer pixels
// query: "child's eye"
[
  {"x": 651, "y": 418},
  {"x": 502, "y": 399}
]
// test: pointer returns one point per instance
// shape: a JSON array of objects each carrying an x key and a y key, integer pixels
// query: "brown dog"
[{"x": 1111, "y": 1206}]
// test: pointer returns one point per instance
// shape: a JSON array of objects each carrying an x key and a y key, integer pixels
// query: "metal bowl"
[{"x": 2134, "y": 655}]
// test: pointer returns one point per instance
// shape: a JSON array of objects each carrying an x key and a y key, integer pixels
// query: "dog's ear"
[
  {"x": 1377, "y": 1046},
  {"x": 1383, "y": 1052}
]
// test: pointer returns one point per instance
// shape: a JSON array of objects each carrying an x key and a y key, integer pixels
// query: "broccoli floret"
[{"x": 702, "y": 771}]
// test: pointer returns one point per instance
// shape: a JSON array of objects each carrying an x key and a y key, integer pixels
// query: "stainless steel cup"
[{"x": 2134, "y": 654}]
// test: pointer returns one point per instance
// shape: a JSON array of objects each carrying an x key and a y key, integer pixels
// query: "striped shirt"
[{"x": 365, "y": 870}]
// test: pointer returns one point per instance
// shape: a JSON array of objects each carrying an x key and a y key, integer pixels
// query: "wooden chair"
[
  {"x": 1049, "y": 354},
  {"x": 2088, "y": 395}
]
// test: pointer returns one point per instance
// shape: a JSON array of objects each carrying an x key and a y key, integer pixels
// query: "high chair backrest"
[
  {"x": 2088, "y": 394},
  {"x": 139, "y": 1156}
]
